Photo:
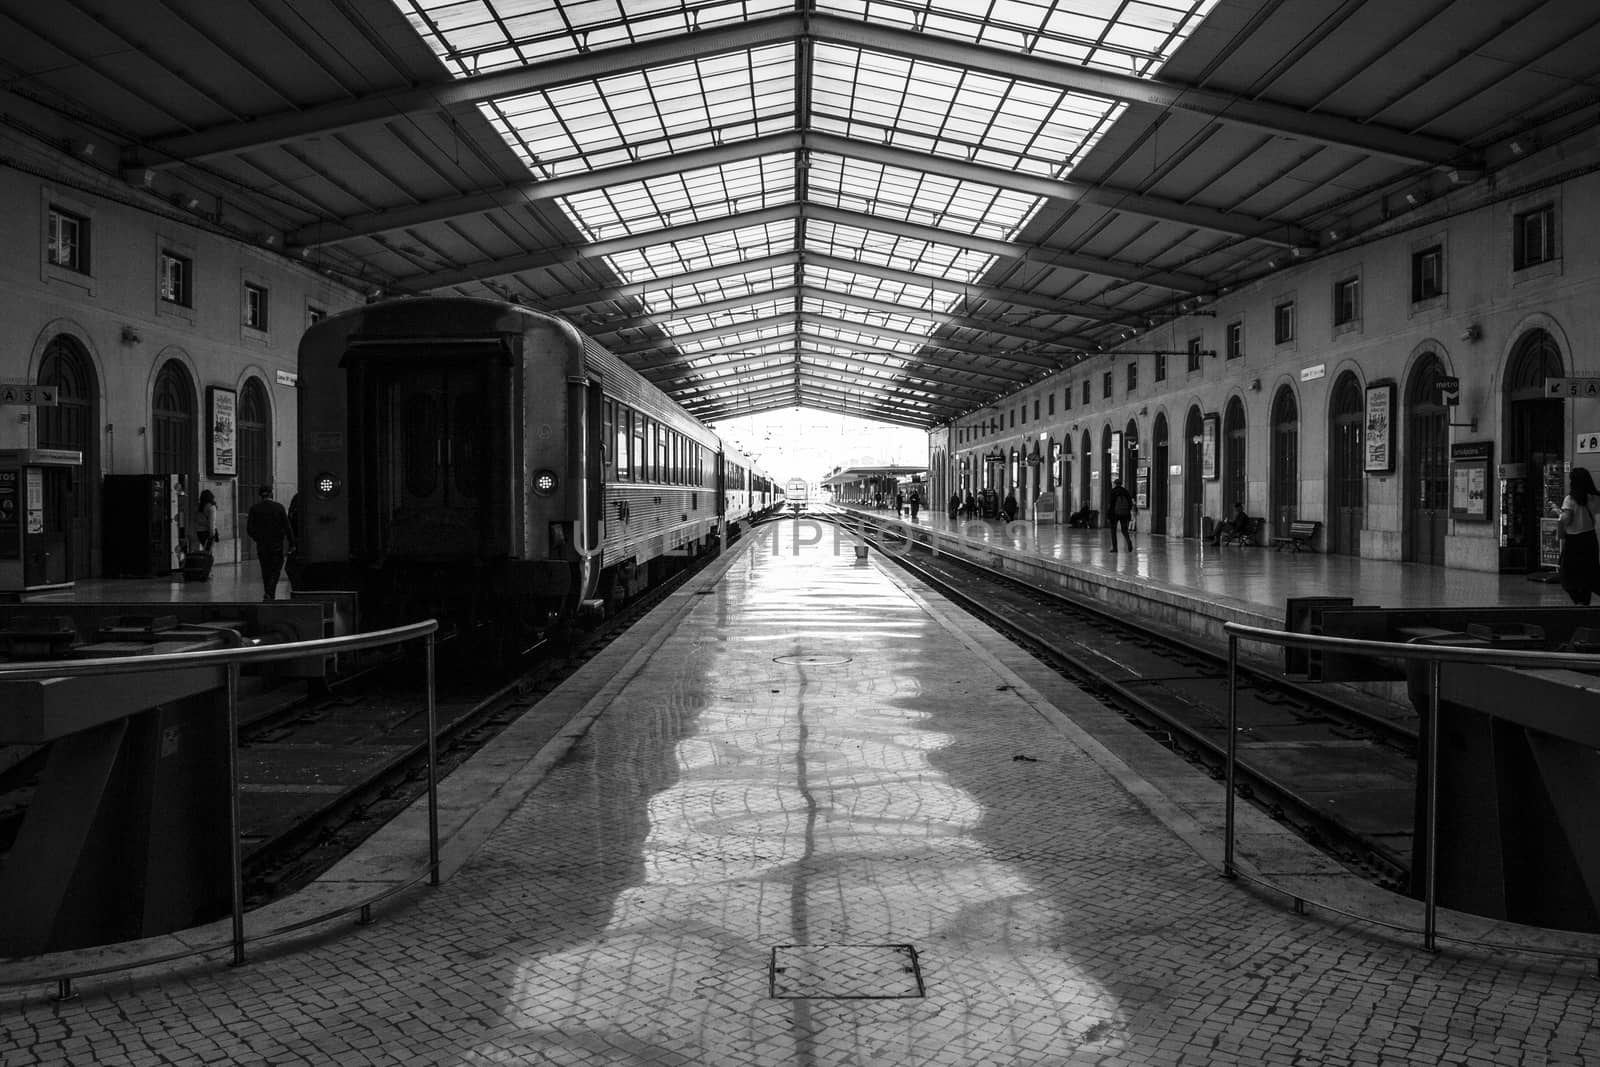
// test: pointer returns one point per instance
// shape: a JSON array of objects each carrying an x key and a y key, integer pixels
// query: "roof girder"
[
  {"x": 1280, "y": 119},
  {"x": 1130, "y": 201}
]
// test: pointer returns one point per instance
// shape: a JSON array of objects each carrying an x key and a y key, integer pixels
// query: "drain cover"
[
  {"x": 813, "y": 660},
  {"x": 846, "y": 972}
]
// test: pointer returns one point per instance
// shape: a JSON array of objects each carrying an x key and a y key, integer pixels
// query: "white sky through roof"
[{"x": 879, "y": 100}]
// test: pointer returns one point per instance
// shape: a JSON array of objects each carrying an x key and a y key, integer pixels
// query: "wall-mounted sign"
[
  {"x": 1470, "y": 485},
  {"x": 1588, "y": 443},
  {"x": 1380, "y": 428},
  {"x": 1581, "y": 388},
  {"x": 1209, "y": 428},
  {"x": 1449, "y": 391},
  {"x": 287, "y": 377},
  {"x": 39, "y": 396},
  {"x": 1312, "y": 373},
  {"x": 223, "y": 407}
]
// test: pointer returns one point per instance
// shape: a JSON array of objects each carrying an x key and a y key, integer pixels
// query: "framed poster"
[
  {"x": 1470, "y": 480},
  {"x": 1380, "y": 428},
  {"x": 222, "y": 405},
  {"x": 1209, "y": 429}
]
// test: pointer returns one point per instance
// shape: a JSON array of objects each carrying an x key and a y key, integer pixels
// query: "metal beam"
[
  {"x": 876, "y": 36},
  {"x": 1111, "y": 198},
  {"x": 943, "y": 320},
  {"x": 911, "y": 370},
  {"x": 961, "y": 364},
  {"x": 979, "y": 291},
  {"x": 820, "y": 389}
]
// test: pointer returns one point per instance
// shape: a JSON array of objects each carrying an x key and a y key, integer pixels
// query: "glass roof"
[{"x": 899, "y": 223}]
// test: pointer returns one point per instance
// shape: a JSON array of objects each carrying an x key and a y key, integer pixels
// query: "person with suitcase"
[{"x": 197, "y": 563}]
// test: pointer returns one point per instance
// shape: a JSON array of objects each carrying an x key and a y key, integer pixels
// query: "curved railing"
[
  {"x": 1433, "y": 656},
  {"x": 232, "y": 660}
]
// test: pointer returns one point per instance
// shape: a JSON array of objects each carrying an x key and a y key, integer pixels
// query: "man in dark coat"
[
  {"x": 268, "y": 526},
  {"x": 1120, "y": 504}
]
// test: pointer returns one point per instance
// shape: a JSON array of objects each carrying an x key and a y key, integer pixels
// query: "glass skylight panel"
[
  {"x": 629, "y": 208},
  {"x": 667, "y": 301},
  {"x": 844, "y": 309},
  {"x": 684, "y": 256},
  {"x": 863, "y": 283},
  {"x": 902, "y": 253},
  {"x": 755, "y": 310},
  {"x": 476, "y": 36}
]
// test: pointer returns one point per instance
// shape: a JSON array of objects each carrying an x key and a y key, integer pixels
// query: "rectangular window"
[
  {"x": 1024, "y": 410},
  {"x": 1533, "y": 237},
  {"x": 1283, "y": 323},
  {"x": 1036, "y": 409},
  {"x": 1235, "y": 340},
  {"x": 255, "y": 306},
  {"x": 1160, "y": 374},
  {"x": 1052, "y": 404},
  {"x": 1086, "y": 392},
  {"x": 1427, "y": 274},
  {"x": 1105, "y": 385},
  {"x": 1346, "y": 301},
  {"x": 315, "y": 315},
  {"x": 1013, "y": 420},
  {"x": 1194, "y": 354},
  {"x": 177, "y": 284},
  {"x": 1066, "y": 398},
  {"x": 69, "y": 241},
  {"x": 608, "y": 438},
  {"x": 620, "y": 454},
  {"x": 1133, "y": 376},
  {"x": 638, "y": 456}
]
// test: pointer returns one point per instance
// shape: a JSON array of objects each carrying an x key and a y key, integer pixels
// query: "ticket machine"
[{"x": 34, "y": 553}]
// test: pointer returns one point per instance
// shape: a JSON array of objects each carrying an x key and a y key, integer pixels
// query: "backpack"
[{"x": 1123, "y": 505}]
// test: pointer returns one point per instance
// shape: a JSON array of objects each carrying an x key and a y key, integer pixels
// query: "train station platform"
[
  {"x": 808, "y": 814},
  {"x": 1193, "y": 585}
]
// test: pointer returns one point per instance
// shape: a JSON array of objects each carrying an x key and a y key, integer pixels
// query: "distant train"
[
  {"x": 796, "y": 494},
  {"x": 486, "y": 463}
]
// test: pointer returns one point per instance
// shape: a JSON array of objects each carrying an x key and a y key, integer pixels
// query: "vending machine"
[
  {"x": 143, "y": 525},
  {"x": 1516, "y": 522}
]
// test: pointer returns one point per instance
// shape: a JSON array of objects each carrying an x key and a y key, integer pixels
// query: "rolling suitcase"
[{"x": 197, "y": 566}]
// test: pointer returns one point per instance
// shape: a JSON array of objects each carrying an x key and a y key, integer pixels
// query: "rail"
[
  {"x": 232, "y": 660},
  {"x": 1433, "y": 656}
]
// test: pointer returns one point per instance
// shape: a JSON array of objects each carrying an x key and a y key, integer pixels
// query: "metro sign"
[
  {"x": 1580, "y": 388},
  {"x": 44, "y": 396}
]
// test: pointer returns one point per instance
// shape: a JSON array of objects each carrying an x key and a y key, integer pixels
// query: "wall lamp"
[{"x": 130, "y": 336}]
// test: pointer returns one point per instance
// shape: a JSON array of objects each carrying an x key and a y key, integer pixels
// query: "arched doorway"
[
  {"x": 255, "y": 454},
  {"x": 1347, "y": 479},
  {"x": 1234, "y": 485},
  {"x": 173, "y": 447},
  {"x": 1535, "y": 429},
  {"x": 1427, "y": 465},
  {"x": 73, "y": 423},
  {"x": 1085, "y": 470},
  {"x": 1134, "y": 474},
  {"x": 1108, "y": 469},
  {"x": 1158, "y": 477},
  {"x": 1285, "y": 503},
  {"x": 1194, "y": 486}
]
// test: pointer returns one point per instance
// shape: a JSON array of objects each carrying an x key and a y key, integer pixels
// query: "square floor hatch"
[{"x": 845, "y": 972}]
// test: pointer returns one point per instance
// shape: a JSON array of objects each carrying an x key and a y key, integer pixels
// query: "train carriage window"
[
  {"x": 658, "y": 440},
  {"x": 636, "y": 447},
  {"x": 621, "y": 453},
  {"x": 608, "y": 439},
  {"x": 466, "y": 444},
  {"x": 421, "y": 442}
]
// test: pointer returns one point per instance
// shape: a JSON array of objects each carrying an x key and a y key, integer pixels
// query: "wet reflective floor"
[{"x": 817, "y": 817}]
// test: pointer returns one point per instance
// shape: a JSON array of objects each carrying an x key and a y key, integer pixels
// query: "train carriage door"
[{"x": 429, "y": 486}]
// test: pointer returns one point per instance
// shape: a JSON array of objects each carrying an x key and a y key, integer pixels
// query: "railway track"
[{"x": 1341, "y": 771}]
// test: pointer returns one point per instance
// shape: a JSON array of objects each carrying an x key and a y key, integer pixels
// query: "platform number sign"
[
  {"x": 1573, "y": 388},
  {"x": 42, "y": 396}
]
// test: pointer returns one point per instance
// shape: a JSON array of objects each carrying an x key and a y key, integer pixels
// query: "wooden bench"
[{"x": 1301, "y": 534}]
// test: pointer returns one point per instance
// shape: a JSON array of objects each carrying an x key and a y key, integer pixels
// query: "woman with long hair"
[
  {"x": 205, "y": 521},
  {"x": 1580, "y": 554}
]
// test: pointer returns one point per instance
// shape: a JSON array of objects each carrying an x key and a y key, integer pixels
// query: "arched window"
[
  {"x": 1427, "y": 465},
  {"x": 1347, "y": 478},
  {"x": 1234, "y": 485},
  {"x": 1285, "y": 460},
  {"x": 255, "y": 440},
  {"x": 174, "y": 448},
  {"x": 72, "y": 424}
]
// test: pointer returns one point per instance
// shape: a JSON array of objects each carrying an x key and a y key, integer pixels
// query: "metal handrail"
[
  {"x": 232, "y": 659},
  {"x": 1433, "y": 656}
]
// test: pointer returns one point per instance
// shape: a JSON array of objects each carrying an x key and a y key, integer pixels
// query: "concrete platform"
[{"x": 809, "y": 815}]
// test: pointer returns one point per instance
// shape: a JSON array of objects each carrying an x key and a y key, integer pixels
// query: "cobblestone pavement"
[{"x": 825, "y": 826}]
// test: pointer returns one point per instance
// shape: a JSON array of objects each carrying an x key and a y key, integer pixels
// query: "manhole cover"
[
  {"x": 846, "y": 972},
  {"x": 813, "y": 661}
]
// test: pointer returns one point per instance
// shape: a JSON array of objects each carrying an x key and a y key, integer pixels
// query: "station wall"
[
  {"x": 138, "y": 306},
  {"x": 1496, "y": 286}
]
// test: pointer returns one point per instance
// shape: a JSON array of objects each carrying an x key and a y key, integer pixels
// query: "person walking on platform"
[
  {"x": 916, "y": 502},
  {"x": 1580, "y": 555},
  {"x": 1120, "y": 504},
  {"x": 268, "y": 526},
  {"x": 205, "y": 522},
  {"x": 899, "y": 504},
  {"x": 1008, "y": 507},
  {"x": 953, "y": 509},
  {"x": 971, "y": 504}
]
